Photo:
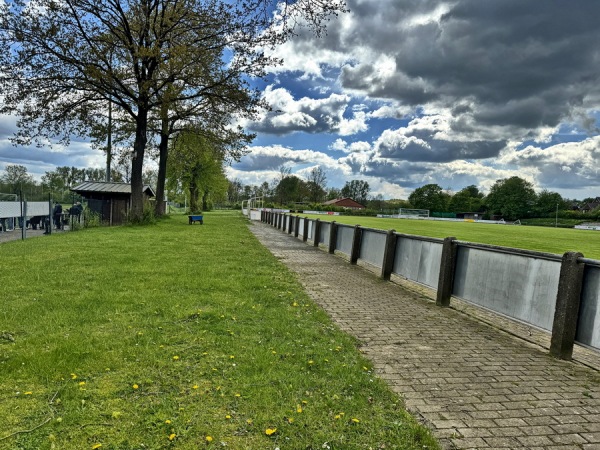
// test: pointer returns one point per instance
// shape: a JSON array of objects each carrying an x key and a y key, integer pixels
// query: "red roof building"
[{"x": 347, "y": 203}]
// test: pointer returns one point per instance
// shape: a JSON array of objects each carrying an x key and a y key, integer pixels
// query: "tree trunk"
[
  {"x": 205, "y": 201},
  {"x": 137, "y": 164},
  {"x": 193, "y": 197},
  {"x": 163, "y": 148}
]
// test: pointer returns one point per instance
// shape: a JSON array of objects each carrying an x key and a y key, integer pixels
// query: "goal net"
[
  {"x": 8, "y": 197},
  {"x": 407, "y": 213}
]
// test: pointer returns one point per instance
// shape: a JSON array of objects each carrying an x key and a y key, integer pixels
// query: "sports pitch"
[{"x": 543, "y": 239}]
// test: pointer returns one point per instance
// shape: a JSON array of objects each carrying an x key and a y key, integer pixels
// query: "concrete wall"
[{"x": 520, "y": 284}]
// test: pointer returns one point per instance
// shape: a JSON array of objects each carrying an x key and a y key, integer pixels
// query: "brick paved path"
[{"x": 473, "y": 384}]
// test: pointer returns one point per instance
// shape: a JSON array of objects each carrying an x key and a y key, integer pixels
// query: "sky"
[{"x": 403, "y": 93}]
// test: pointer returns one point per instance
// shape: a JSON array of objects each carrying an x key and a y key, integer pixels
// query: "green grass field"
[
  {"x": 179, "y": 336},
  {"x": 551, "y": 240}
]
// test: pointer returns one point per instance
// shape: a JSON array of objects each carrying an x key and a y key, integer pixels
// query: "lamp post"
[{"x": 556, "y": 219}]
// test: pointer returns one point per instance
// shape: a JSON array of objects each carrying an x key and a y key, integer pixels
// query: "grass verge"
[
  {"x": 543, "y": 239},
  {"x": 178, "y": 336}
]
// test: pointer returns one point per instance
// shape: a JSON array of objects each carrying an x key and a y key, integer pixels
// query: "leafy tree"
[
  {"x": 548, "y": 202},
  {"x": 358, "y": 190},
  {"x": 316, "y": 183},
  {"x": 513, "y": 198},
  {"x": 292, "y": 189},
  {"x": 468, "y": 199},
  {"x": 333, "y": 193},
  {"x": 196, "y": 165},
  {"x": 16, "y": 178},
  {"x": 431, "y": 197},
  {"x": 147, "y": 57}
]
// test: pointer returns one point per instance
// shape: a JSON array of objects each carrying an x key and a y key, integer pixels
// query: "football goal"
[{"x": 408, "y": 213}]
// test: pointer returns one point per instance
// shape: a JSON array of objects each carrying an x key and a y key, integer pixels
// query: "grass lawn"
[
  {"x": 178, "y": 336},
  {"x": 551, "y": 240}
]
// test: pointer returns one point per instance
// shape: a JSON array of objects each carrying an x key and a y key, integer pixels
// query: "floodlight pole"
[{"x": 556, "y": 220}]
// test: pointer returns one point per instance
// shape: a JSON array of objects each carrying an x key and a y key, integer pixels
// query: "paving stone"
[{"x": 478, "y": 380}]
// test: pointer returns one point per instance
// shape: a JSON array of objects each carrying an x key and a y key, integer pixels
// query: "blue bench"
[{"x": 194, "y": 219}]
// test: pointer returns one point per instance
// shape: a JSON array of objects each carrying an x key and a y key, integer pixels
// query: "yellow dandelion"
[
  {"x": 231, "y": 356},
  {"x": 294, "y": 304},
  {"x": 270, "y": 431},
  {"x": 168, "y": 422},
  {"x": 172, "y": 436},
  {"x": 175, "y": 358},
  {"x": 310, "y": 362},
  {"x": 135, "y": 386},
  {"x": 355, "y": 420},
  {"x": 28, "y": 393},
  {"x": 228, "y": 417},
  {"x": 73, "y": 376},
  {"x": 82, "y": 383},
  {"x": 95, "y": 446},
  {"x": 208, "y": 438},
  {"x": 337, "y": 416},
  {"x": 365, "y": 368},
  {"x": 195, "y": 386},
  {"x": 274, "y": 352},
  {"x": 298, "y": 409},
  {"x": 238, "y": 395},
  {"x": 304, "y": 402},
  {"x": 249, "y": 421},
  {"x": 290, "y": 420}
]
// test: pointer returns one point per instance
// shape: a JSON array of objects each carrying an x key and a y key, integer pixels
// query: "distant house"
[
  {"x": 590, "y": 206},
  {"x": 111, "y": 201},
  {"x": 346, "y": 202}
]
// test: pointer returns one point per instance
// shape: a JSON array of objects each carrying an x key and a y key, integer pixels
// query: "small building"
[
  {"x": 346, "y": 203},
  {"x": 110, "y": 200}
]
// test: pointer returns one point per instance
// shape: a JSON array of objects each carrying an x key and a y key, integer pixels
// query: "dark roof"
[
  {"x": 344, "y": 202},
  {"x": 109, "y": 188}
]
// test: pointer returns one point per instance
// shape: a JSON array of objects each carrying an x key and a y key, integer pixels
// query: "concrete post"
[
  {"x": 262, "y": 216},
  {"x": 446, "y": 279},
  {"x": 332, "y": 237},
  {"x": 305, "y": 230},
  {"x": 356, "y": 238},
  {"x": 316, "y": 232},
  {"x": 279, "y": 221},
  {"x": 297, "y": 226},
  {"x": 389, "y": 254},
  {"x": 568, "y": 299},
  {"x": 291, "y": 224}
]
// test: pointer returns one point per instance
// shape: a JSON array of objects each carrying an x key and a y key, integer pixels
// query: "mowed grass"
[
  {"x": 544, "y": 239},
  {"x": 179, "y": 336}
]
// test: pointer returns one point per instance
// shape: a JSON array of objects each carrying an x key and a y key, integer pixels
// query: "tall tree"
[
  {"x": 317, "y": 182},
  {"x": 69, "y": 58},
  {"x": 431, "y": 197},
  {"x": 513, "y": 198},
  {"x": 16, "y": 177},
  {"x": 468, "y": 199},
  {"x": 357, "y": 190},
  {"x": 196, "y": 165}
]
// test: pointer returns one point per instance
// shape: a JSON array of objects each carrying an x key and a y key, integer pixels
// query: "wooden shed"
[{"x": 111, "y": 201}]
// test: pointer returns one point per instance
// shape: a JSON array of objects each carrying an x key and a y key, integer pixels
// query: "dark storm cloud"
[
  {"x": 520, "y": 63},
  {"x": 436, "y": 150}
]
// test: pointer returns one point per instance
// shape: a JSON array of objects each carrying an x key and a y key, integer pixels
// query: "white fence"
[{"x": 13, "y": 209}]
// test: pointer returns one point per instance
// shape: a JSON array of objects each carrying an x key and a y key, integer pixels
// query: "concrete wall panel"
[
  {"x": 372, "y": 247},
  {"x": 519, "y": 286},
  {"x": 418, "y": 260},
  {"x": 588, "y": 327},
  {"x": 345, "y": 234}
]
